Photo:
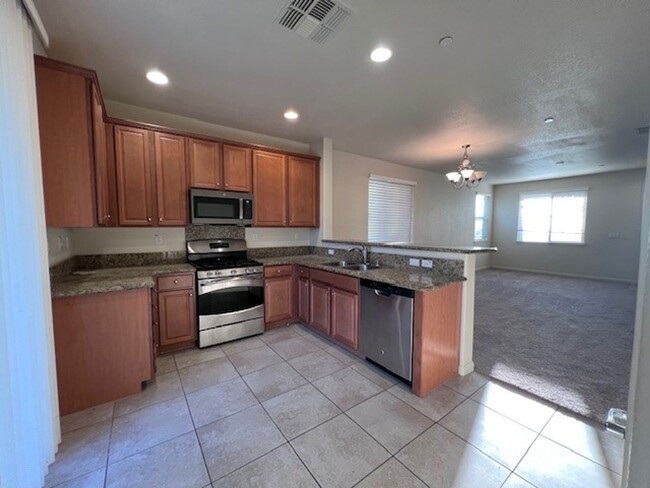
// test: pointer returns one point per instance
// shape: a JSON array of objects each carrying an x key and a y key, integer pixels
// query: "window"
[
  {"x": 552, "y": 217},
  {"x": 390, "y": 209},
  {"x": 481, "y": 220}
]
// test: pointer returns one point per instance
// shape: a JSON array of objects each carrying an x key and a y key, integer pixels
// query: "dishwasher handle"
[{"x": 387, "y": 290}]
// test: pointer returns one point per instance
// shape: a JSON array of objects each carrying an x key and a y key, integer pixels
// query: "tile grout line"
[{"x": 196, "y": 434}]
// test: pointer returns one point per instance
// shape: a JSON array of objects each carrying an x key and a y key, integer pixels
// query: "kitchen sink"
[{"x": 354, "y": 266}]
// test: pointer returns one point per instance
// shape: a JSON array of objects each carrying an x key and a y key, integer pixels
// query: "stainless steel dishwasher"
[{"x": 386, "y": 335}]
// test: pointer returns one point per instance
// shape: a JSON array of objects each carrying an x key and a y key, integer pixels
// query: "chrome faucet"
[{"x": 363, "y": 250}]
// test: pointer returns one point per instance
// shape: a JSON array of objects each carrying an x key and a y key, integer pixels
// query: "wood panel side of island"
[
  {"x": 436, "y": 337},
  {"x": 103, "y": 345}
]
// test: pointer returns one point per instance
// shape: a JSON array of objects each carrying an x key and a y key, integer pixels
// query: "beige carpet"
[{"x": 567, "y": 340}]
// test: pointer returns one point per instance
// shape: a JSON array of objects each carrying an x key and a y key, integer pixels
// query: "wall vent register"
[{"x": 313, "y": 19}]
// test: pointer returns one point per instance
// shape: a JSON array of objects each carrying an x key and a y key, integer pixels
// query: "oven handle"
[{"x": 208, "y": 286}]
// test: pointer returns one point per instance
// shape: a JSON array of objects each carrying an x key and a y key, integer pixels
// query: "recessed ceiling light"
[
  {"x": 157, "y": 77},
  {"x": 381, "y": 54},
  {"x": 601, "y": 165},
  {"x": 559, "y": 162},
  {"x": 446, "y": 41},
  {"x": 291, "y": 115},
  {"x": 549, "y": 120}
]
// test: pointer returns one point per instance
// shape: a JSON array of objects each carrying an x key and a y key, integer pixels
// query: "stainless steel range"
[{"x": 230, "y": 288}]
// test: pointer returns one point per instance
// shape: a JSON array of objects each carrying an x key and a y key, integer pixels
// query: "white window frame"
[
  {"x": 486, "y": 217},
  {"x": 396, "y": 181},
  {"x": 552, "y": 194}
]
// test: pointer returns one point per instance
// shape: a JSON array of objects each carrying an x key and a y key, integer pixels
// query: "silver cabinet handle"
[
  {"x": 191, "y": 294},
  {"x": 148, "y": 219},
  {"x": 159, "y": 219},
  {"x": 176, "y": 282}
]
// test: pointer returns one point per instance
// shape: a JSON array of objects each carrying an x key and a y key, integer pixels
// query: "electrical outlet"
[
  {"x": 613, "y": 235},
  {"x": 330, "y": 252},
  {"x": 157, "y": 239},
  {"x": 67, "y": 243},
  {"x": 414, "y": 262},
  {"x": 296, "y": 236},
  {"x": 427, "y": 263},
  {"x": 60, "y": 243},
  {"x": 255, "y": 236}
]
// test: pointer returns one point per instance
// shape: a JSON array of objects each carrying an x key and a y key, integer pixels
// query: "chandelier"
[{"x": 466, "y": 175}]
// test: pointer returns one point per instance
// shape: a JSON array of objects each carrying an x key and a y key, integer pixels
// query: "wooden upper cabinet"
[
  {"x": 171, "y": 179},
  {"x": 206, "y": 169},
  {"x": 101, "y": 162},
  {"x": 303, "y": 192},
  {"x": 135, "y": 185},
  {"x": 270, "y": 189},
  {"x": 65, "y": 119},
  {"x": 237, "y": 168},
  {"x": 345, "y": 317}
]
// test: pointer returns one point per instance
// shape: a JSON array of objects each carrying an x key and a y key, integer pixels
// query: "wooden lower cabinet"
[
  {"x": 345, "y": 317},
  {"x": 103, "y": 346},
  {"x": 278, "y": 300},
  {"x": 319, "y": 315},
  {"x": 303, "y": 300},
  {"x": 436, "y": 337},
  {"x": 175, "y": 313}
]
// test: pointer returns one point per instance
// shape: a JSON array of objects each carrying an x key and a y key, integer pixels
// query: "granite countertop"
[
  {"x": 87, "y": 282},
  {"x": 419, "y": 246},
  {"x": 411, "y": 278}
]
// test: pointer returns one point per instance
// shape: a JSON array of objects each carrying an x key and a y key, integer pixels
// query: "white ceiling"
[{"x": 512, "y": 63}]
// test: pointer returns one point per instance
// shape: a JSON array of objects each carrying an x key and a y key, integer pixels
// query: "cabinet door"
[
  {"x": 345, "y": 317},
  {"x": 135, "y": 192},
  {"x": 303, "y": 192},
  {"x": 171, "y": 179},
  {"x": 176, "y": 317},
  {"x": 65, "y": 128},
  {"x": 319, "y": 305},
  {"x": 278, "y": 299},
  {"x": 237, "y": 168},
  {"x": 303, "y": 300},
  {"x": 205, "y": 164},
  {"x": 270, "y": 189},
  {"x": 101, "y": 162}
]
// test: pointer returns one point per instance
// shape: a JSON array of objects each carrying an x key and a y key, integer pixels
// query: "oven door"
[{"x": 224, "y": 301}]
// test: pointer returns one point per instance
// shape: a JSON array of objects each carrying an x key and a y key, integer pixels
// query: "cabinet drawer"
[
  {"x": 343, "y": 282},
  {"x": 175, "y": 282},
  {"x": 303, "y": 271},
  {"x": 273, "y": 271}
]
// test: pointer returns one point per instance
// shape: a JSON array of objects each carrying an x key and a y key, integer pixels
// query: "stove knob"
[
  {"x": 249, "y": 271},
  {"x": 210, "y": 273},
  {"x": 234, "y": 271}
]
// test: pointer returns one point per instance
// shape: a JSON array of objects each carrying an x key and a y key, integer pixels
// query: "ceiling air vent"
[
  {"x": 313, "y": 19},
  {"x": 643, "y": 130}
]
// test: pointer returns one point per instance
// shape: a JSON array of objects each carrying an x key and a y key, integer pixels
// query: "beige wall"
[
  {"x": 613, "y": 205},
  {"x": 141, "y": 114},
  {"x": 442, "y": 214}
]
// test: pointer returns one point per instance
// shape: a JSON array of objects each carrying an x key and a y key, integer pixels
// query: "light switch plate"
[
  {"x": 613, "y": 235},
  {"x": 157, "y": 239},
  {"x": 330, "y": 252},
  {"x": 427, "y": 263},
  {"x": 414, "y": 262}
]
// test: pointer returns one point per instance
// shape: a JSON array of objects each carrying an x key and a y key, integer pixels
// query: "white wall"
[
  {"x": 636, "y": 472},
  {"x": 59, "y": 245},
  {"x": 29, "y": 420},
  {"x": 613, "y": 205},
  {"x": 442, "y": 214}
]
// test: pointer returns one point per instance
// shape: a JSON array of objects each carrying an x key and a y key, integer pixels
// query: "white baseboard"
[
  {"x": 484, "y": 267},
  {"x": 568, "y": 275}
]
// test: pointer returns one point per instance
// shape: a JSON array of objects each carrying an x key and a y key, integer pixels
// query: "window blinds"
[
  {"x": 390, "y": 210},
  {"x": 553, "y": 217}
]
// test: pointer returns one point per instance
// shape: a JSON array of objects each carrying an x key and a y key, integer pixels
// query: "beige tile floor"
[{"x": 290, "y": 409}]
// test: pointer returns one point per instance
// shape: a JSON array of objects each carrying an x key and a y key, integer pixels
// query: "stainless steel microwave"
[{"x": 221, "y": 207}]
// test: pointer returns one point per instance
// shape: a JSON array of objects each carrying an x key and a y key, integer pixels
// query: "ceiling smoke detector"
[{"x": 313, "y": 19}]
